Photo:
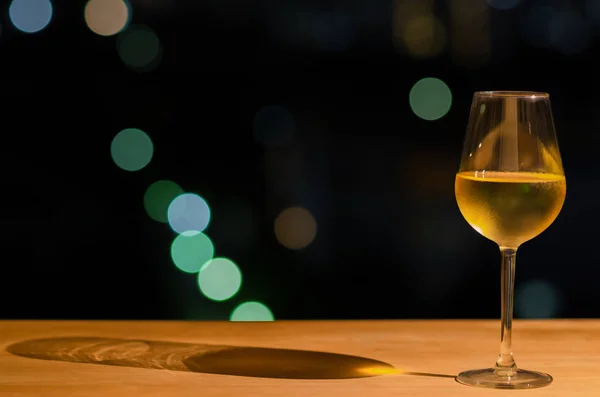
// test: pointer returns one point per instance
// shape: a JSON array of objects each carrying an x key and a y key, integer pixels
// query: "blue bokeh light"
[
  {"x": 30, "y": 16},
  {"x": 188, "y": 212}
]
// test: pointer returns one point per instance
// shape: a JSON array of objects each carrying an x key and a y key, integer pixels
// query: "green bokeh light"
[
  {"x": 191, "y": 250},
  {"x": 430, "y": 98},
  {"x": 131, "y": 149},
  {"x": 157, "y": 198},
  {"x": 139, "y": 48},
  {"x": 252, "y": 311},
  {"x": 220, "y": 279}
]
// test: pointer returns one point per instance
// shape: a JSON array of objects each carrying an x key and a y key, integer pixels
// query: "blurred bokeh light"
[
  {"x": 417, "y": 29},
  {"x": 430, "y": 98},
  {"x": 220, "y": 279},
  {"x": 252, "y": 311},
  {"x": 132, "y": 149},
  {"x": 537, "y": 299},
  {"x": 295, "y": 228},
  {"x": 158, "y": 197},
  {"x": 274, "y": 126},
  {"x": 567, "y": 31},
  {"x": 570, "y": 33},
  {"x": 139, "y": 48},
  {"x": 107, "y": 17},
  {"x": 425, "y": 36},
  {"x": 190, "y": 251},
  {"x": 30, "y": 16},
  {"x": 188, "y": 212}
]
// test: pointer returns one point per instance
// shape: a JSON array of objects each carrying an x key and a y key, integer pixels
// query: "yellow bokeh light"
[
  {"x": 424, "y": 36},
  {"x": 295, "y": 228},
  {"x": 417, "y": 30},
  {"x": 107, "y": 17}
]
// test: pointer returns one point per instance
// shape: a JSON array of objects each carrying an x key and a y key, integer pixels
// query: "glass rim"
[{"x": 513, "y": 94}]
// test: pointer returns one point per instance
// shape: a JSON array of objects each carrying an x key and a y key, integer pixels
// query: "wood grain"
[{"x": 286, "y": 358}]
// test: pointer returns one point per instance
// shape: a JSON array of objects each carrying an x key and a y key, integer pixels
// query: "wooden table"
[{"x": 328, "y": 358}]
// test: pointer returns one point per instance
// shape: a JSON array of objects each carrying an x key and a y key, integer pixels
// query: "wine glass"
[{"x": 510, "y": 187}]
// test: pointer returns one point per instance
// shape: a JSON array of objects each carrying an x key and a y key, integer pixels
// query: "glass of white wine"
[{"x": 510, "y": 187}]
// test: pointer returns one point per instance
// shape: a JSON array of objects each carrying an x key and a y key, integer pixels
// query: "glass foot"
[{"x": 522, "y": 379}]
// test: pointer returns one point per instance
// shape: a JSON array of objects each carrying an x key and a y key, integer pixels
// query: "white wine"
[{"x": 510, "y": 208}]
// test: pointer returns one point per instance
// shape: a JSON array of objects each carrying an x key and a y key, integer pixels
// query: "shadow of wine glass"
[{"x": 206, "y": 358}]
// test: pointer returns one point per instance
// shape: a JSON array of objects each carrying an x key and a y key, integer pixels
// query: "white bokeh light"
[{"x": 188, "y": 212}]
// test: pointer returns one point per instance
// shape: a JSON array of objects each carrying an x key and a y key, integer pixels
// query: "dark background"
[{"x": 379, "y": 181}]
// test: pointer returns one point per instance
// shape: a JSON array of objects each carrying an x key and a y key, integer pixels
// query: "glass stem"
[{"x": 505, "y": 365}]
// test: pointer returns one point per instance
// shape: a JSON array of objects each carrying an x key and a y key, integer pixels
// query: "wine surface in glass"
[{"x": 510, "y": 208}]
